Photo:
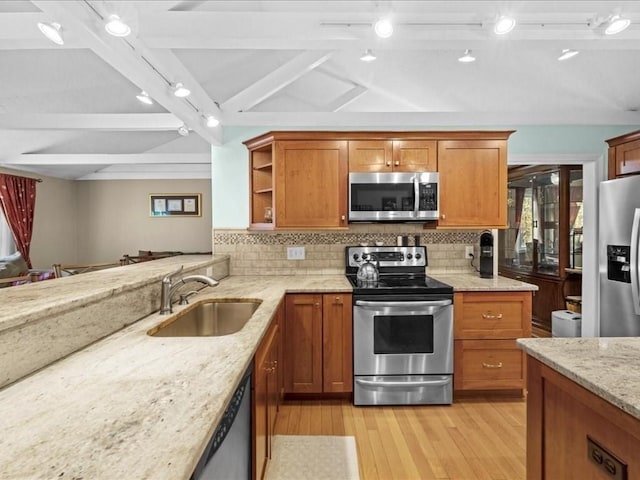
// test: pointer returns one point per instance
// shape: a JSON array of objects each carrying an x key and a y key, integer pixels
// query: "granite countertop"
[
  {"x": 607, "y": 366},
  {"x": 42, "y": 299},
  {"x": 470, "y": 282},
  {"x": 135, "y": 406}
]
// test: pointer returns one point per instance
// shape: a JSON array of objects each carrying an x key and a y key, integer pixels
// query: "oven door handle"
[
  {"x": 404, "y": 305},
  {"x": 400, "y": 384}
]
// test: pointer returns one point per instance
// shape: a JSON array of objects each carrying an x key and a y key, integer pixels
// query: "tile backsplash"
[{"x": 265, "y": 252}]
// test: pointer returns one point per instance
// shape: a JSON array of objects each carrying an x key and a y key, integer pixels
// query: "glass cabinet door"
[
  {"x": 517, "y": 240},
  {"x": 575, "y": 218},
  {"x": 546, "y": 222}
]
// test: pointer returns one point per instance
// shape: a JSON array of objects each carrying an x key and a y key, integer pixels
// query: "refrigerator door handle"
[{"x": 635, "y": 284}]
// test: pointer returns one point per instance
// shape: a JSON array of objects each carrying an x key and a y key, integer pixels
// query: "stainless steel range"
[{"x": 402, "y": 329}]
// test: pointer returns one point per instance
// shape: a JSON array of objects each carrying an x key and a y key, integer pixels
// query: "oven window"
[{"x": 402, "y": 334}]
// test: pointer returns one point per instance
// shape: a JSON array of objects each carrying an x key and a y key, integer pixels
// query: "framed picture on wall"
[{"x": 175, "y": 205}]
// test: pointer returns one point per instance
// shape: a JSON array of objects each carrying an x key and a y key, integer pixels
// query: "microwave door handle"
[
  {"x": 635, "y": 284},
  {"x": 416, "y": 195}
]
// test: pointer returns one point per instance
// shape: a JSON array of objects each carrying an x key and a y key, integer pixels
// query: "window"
[{"x": 7, "y": 245}]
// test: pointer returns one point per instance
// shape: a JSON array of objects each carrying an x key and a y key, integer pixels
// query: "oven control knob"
[
  {"x": 418, "y": 256},
  {"x": 356, "y": 257},
  {"x": 409, "y": 256}
]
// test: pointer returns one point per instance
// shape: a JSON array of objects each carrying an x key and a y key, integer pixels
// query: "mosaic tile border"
[{"x": 241, "y": 237}]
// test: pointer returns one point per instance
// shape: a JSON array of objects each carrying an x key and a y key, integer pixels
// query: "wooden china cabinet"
[{"x": 543, "y": 242}]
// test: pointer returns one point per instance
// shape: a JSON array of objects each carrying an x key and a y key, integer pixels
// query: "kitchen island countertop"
[
  {"x": 135, "y": 406},
  {"x": 609, "y": 367}
]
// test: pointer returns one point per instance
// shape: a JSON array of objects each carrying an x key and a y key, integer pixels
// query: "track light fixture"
[
  {"x": 180, "y": 91},
  {"x": 504, "y": 25},
  {"x": 567, "y": 53},
  {"x": 212, "y": 121},
  {"x": 616, "y": 24},
  {"x": 368, "y": 56},
  {"x": 116, "y": 27},
  {"x": 383, "y": 28},
  {"x": 467, "y": 57},
  {"x": 53, "y": 31},
  {"x": 183, "y": 130},
  {"x": 144, "y": 98}
]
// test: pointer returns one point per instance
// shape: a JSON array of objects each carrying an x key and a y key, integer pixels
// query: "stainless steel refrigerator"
[{"x": 619, "y": 257}]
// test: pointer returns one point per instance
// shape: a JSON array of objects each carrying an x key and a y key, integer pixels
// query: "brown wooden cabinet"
[
  {"x": 300, "y": 179},
  {"x": 267, "y": 390},
  {"x": 318, "y": 343},
  {"x": 486, "y": 325},
  {"x": 473, "y": 183},
  {"x": 624, "y": 155},
  {"x": 311, "y": 184},
  {"x": 561, "y": 418},
  {"x": 393, "y": 156}
]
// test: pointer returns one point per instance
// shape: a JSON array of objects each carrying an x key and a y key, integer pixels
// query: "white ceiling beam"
[
  {"x": 141, "y": 122},
  {"x": 129, "y": 57},
  {"x": 275, "y": 81},
  {"x": 422, "y": 120},
  {"x": 346, "y": 98},
  {"x": 108, "y": 159},
  {"x": 162, "y": 172}
]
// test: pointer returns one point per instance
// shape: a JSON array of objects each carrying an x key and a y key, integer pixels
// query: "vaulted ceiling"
[{"x": 71, "y": 111}]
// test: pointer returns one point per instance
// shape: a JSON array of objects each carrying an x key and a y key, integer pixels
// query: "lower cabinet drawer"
[{"x": 488, "y": 365}]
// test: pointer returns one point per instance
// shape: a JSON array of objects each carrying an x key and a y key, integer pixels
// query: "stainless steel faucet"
[{"x": 169, "y": 287}]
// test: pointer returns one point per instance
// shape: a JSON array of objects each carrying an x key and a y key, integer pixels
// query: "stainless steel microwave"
[{"x": 393, "y": 197}]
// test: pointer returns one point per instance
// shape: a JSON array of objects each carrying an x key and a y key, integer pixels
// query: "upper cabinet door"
[
  {"x": 393, "y": 156},
  {"x": 311, "y": 184},
  {"x": 370, "y": 155},
  {"x": 473, "y": 183},
  {"x": 628, "y": 158},
  {"x": 415, "y": 156}
]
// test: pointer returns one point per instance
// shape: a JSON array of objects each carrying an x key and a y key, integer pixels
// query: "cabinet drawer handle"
[
  {"x": 492, "y": 365},
  {"x": 316, "y": 305},
  {"x": 397, "y": 163},
  {"x": 492, "y": 316},
  {"x": 443, "y": 217},
  {"x": 388, "y": 164}
]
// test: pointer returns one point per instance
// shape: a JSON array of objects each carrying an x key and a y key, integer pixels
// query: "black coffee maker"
[{"x": 486, "y": 254}]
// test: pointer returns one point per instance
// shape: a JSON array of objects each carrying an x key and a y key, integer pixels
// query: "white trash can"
[{"x": 565, "y": 323}]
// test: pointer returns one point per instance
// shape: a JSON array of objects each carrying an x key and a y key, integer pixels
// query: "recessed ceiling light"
[
  {"x": 616, "y": 24},
  {"x": 383, "y": 28},
  {"x": 179, "y": 90},
  {"x": 504, "y": 24},
  {"x": 212, "y": 121},
  {"x": 567, "y": 53},
  {"x": 53, "y": 31},
  {"x": 467, "y": 57},
  {"x": 116, "y": 27},
  {"x": 183, "y": 130},
  {"x": 144, "y": 98},
  {"x": 368, "y": 56}
]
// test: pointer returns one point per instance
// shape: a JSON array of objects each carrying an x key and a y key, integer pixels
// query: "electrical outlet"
[
  {"x": 468, "y": 251},
  {"x": 295, "y": 253}
]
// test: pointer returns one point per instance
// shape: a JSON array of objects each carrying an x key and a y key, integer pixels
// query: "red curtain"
[{"x": 18, "y": 201}]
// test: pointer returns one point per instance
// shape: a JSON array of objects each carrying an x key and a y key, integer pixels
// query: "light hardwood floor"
[{"x": 472, "y": 439}]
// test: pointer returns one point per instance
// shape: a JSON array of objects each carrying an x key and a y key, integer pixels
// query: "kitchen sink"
[{"x": 208, "y": 318}]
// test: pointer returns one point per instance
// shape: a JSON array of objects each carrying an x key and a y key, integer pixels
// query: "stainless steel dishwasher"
[{"x": 228, "y": 453}]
